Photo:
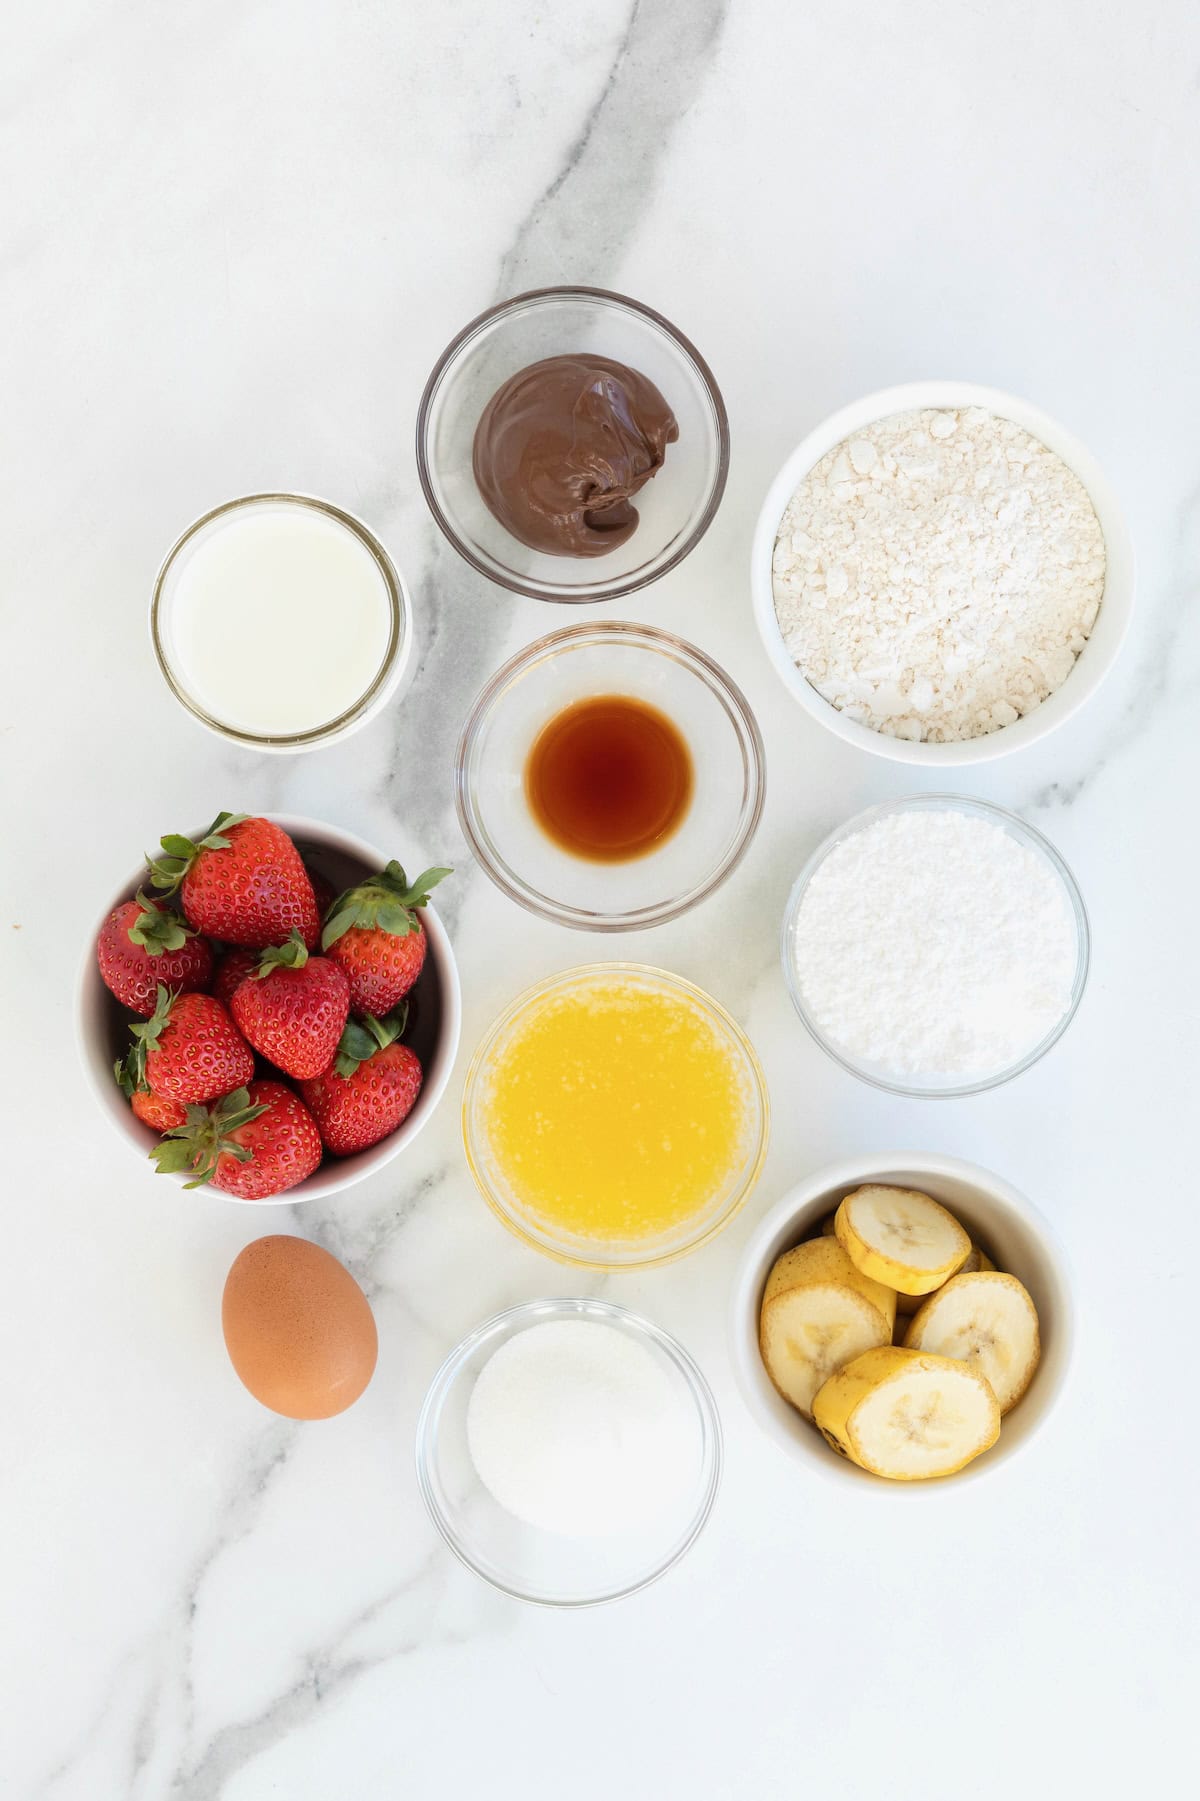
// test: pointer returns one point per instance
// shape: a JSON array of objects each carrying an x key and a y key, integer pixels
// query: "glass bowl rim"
[
  {"x": 499, "y": 1325},
  {"x": 543, "y": 591},
  {"x": 679, "y": 984},
  {"x": 395, "y": 656},
  {"x": 938, "y": 802},
  {"x": 698, "y": 664}
]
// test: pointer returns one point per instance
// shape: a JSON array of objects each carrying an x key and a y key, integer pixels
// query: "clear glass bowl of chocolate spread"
[{"x": 572, "y": 444}]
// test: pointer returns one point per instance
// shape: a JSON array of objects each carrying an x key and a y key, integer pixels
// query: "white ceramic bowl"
[
  {"x": 1008, "y": 1227},
  {"x": 102, "y": 1024},
  {"x": 1112, "y": 621}
]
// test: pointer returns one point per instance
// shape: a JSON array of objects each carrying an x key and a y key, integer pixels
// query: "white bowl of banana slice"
[{"x": 902, "y": 1318}]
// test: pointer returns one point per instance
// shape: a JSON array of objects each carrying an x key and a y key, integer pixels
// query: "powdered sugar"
[
  {"x": 936, "y": 575},
  {"x": 932, "y": 944}
]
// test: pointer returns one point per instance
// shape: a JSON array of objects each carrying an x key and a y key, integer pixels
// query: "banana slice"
[
  {"x": 818, "y": 1312},
  {"x": 908, "y": 1304},
  {"x": 824, "y": 1260},
  {"x": 908, "y": 1415},
  {"x": 901, "y": 1238},
  {"x": 988, "y": 1321}
]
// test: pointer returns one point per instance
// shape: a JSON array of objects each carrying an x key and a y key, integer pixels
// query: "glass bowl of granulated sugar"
[
  {"x": 941, "y": 574},
  {"x": 935, "y": 945},
  {"x": 569, "y": 1451}
]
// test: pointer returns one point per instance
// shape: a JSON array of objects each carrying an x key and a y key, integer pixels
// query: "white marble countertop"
[{"x": 236, "y": 239}]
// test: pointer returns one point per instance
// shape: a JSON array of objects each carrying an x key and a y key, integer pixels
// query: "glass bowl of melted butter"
[
  {"x": 572, "y": 444},
  {"x": 615, "y": 1116}
]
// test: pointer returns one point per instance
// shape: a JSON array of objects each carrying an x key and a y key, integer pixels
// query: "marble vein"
[
  {"x": 576, "y": 230},
  {"x": 328, "y": 1670}
]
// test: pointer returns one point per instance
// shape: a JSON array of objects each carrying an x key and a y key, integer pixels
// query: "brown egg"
[{"x": 298, "y": 1328}]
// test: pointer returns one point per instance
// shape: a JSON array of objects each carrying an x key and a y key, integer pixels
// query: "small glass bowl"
[
  {"x": 386, "y": 679},
  {"x": 1024, "y": 834},
  {"x": 675, "y": 508},
  {"x": 728, "y": 763},
  {"x": 522, "y": 1560},
  {"x": 588, "y": 1253}
]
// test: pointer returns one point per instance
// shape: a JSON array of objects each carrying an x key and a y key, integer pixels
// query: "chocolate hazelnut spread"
[{"x": 563, "y": 446}]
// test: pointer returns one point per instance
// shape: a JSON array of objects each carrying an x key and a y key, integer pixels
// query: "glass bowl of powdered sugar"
[
  {"x": 569, "y": 1451},
  {"x": 935, "y": 945}
]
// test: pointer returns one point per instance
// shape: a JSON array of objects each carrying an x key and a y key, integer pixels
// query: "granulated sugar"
[
  {"x": 575, "y": 1428},
  {"x": 936, "y": 576},
  {"x": 932, "y": 944}
]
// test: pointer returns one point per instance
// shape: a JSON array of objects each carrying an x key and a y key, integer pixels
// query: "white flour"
[
  {"x": 936, "y": 576},
  {"x": 931, "y": 943}
]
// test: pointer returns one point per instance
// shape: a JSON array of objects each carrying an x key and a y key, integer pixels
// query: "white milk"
[{"x": 275, "y": 617}]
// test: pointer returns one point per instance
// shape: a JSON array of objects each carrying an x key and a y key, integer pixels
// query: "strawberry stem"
[
  {"x": 290, "y": 955},
  {"x": 131, "y": 1069},
  {"x": 168, "y": 871},
  {"x": 388, "y": 902},
  {"x": 158, "y": 929},
  {"x": 205, "y": 1136},
  {"x": 363, "y": 1037}
]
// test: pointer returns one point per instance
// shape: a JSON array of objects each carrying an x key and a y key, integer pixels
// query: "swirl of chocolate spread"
[{"x": 563, "y": 446}]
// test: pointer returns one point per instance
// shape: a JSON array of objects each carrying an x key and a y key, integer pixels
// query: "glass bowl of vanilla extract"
[{"x": 610, "y": 776}]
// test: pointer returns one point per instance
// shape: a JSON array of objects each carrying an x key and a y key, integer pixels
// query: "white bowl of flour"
[{"x": 941, "y": 573}]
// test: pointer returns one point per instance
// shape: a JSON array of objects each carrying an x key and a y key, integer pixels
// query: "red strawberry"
[
  {"x": 143, "y": 943},
  {"x": 188, "y": 1050},
  {"x": 254, "y": 1143},
  {"x": 371, "y": 1088},
  {"x": 233, "y": 969},
  {"x": 243, "y": 882},
  {"x": 375, "y": 934},
  {"x": 292, "y": 1008},
  {"x": 157, "y": 1110}
]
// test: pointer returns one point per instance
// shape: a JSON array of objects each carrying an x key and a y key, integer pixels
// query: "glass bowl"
[
  {"x": 728, "y": 766},
  {"x": 524, "y": 1561},
  {"x": 168, "y": 628},
  {"x": 675, "y": 508},
  {"x": 555, "y": 1240},
  {"x": 1033, "y": 840}
]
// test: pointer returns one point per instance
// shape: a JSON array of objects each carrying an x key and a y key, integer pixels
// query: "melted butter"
[{"x": 616, "y": 1112}]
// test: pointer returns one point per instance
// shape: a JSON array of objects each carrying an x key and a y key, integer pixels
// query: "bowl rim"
[
  {"x": 753, "y": 1383},
  {"x": 659, "y": 643},
  {"x": 542, "y": 591},
  {"x": 364, "y": 1163},
  {"x": 387, "y": 678},
  {"x": 1087, "y": 673},
  {"x": 563, "y": 1307},
  {"x": 937, "y": 802},
  {"x": 679, "y": 984}
]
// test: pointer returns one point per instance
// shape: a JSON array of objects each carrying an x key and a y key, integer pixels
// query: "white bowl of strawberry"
[{"x": 274, "y": 1009}]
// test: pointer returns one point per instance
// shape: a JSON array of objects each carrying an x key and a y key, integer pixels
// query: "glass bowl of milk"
[{"x": 280, "y": 621}]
